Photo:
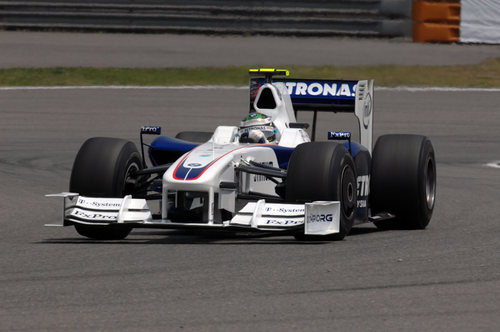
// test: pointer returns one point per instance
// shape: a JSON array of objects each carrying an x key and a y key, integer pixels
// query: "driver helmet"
[{"x": 257, "y": 128}]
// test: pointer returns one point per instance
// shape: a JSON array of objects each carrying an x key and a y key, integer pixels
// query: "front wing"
[{"x": 314, "y": 218}]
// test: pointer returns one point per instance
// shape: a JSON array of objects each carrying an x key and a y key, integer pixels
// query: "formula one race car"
[{"x": 264, "y": 175}]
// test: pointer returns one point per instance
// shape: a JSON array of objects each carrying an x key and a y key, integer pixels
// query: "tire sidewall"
[
  {"x": 100, "y": 170},
  {"x": 318, "y": 171},
  {"x": 401, "y": 167},
  {"x": 129, "y": 160},
  {"x": 343, "y": 175},
  {"x": 425, "y": 171}
]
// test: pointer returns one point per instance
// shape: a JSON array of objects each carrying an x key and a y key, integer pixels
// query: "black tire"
[
  {"x": 323, "y": 171},
  {"x": 403, "y": 181},
  {"x": 194, "y": 136},
  {"x": 101, "y": 169}
]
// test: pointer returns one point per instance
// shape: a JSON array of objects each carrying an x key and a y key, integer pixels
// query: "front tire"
[
  {"x": 403, "y": 181},
  {"x": 323, "y": 171},
  {"x": 103, "y": 168}
]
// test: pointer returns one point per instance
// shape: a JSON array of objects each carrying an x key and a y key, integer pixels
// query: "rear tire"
[
  {"x": 194, "y": 136},
  {"x": 102, "y": 168},
  {"x": 323, "y": 171},
  {"x": 403, "y": 181}
]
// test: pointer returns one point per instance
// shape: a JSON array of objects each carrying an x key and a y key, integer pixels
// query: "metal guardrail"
[{"x": 370, "y": 18}]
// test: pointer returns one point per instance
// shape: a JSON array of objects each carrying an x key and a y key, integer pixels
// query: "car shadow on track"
[{"x": 204, "y": 237}]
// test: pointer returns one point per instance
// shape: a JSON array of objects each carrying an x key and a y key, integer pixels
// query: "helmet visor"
[{"x": 268, "y": 131}]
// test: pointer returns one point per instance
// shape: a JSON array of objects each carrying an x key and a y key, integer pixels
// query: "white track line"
[
  {"x": 125, "y": 87},
  {"x": 229, "y": 87},
  {"x": 435, "y": 88},
  {"x": 494, "y": 164}
]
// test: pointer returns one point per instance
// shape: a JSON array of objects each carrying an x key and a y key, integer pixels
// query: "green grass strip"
[{"x": 485, "y": 74}]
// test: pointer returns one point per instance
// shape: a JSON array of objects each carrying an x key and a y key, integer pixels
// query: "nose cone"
[{"x": 204, "y": 165}]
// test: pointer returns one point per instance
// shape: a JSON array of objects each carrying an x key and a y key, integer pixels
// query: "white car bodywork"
[{"x": 211, "y": 169}]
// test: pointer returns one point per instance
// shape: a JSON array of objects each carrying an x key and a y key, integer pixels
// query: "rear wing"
[{"x": 328, "y": 96}]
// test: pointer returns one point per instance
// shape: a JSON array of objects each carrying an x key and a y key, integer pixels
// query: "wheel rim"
[
  {"x": 348, "y": 193},
  {"x": 128, "y": 181},
  {"x": 430, "y": 184}
]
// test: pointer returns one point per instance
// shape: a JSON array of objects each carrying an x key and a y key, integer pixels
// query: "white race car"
[{"x": 265, "y": 175}]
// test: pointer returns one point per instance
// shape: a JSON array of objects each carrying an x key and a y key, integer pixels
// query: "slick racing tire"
[
  {"x": 403, "y": 181},
  {"x": 103, "y": 168},
  {"x": 323, "y": 171},
  {"x": 194, "y": 136}
]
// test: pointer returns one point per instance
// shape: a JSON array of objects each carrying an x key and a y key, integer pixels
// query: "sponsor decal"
[
  {"x": 367, "y": 110},
  {"x": 363, "y": 185},
  {"x": 284, "y": 210},
  {"x": 264, "y": 128},
  {"x": 93, "y": 215},
  {"x": 282, "y": 222},
  {"x": 151, "y": 130},
  {"x": 321, "y": 90},
  {"x": 320, "y": 218},
  {"x": 96, "y": 204},
  {"x": 339, "y": 134},
  {"x": 194, "y": 165},
  {"x": 310, "y": 89},
  {"x": 361, "y": 203}
]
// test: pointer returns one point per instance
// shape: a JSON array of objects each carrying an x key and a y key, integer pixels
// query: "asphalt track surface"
[
  {"x": 446, "y": 277},
  {"x": 55, "y": 49}
]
